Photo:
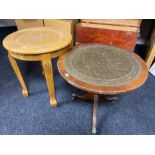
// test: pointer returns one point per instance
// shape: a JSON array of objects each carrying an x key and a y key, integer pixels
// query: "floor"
[{"x": 132, "y": 114}]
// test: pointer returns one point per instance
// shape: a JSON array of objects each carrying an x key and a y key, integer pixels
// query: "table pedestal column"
[{"x": 95, "y": 98}]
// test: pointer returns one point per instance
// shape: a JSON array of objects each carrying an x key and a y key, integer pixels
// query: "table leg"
[
  {"x": 86, "y": 96},
  {"x": 18, "y": 74},
  {"x": 109, "y": 97},
  {"x": 95, "y": 106},
  {"x": 48, "y": 71},
  {"x": 95, "y": 97},
  {"x": 42, "y": 68}
]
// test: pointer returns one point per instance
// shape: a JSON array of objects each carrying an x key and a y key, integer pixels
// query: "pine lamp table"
[
  {"x": 37, "y": 44},
  {"x": 102, "y": 70}
]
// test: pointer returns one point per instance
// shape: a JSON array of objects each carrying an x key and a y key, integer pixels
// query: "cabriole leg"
[
  {"x": 48, "y": 71},
  {"x": 18, "y": 74}
]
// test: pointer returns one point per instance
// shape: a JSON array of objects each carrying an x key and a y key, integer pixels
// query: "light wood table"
[
  {"x": 37, "y": 44},
  {"x": 102, "y": 70}
]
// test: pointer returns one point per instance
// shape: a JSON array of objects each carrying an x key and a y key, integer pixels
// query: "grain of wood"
[
  {"x": 37, "y": 44},
  {"x": 118, "y": 22}
]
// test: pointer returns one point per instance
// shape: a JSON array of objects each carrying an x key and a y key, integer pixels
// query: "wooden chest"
[
  {"x": 117, "y": 33},
  {"x": 120, "y": 22}
]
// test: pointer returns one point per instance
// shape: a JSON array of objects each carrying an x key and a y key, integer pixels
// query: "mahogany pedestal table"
[
  {"x": 102, "y": 70},
  {"x": 37, "y": 44}
]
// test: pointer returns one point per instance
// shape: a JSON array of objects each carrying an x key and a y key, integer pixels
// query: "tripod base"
[{"x": 95, "y": 98}]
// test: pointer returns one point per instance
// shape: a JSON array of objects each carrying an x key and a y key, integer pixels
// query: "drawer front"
[{"x": 122, "y": 39}]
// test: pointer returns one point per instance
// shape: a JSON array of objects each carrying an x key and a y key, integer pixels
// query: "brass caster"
[
  {"x": 110, "y": 98},
  {"x": 94, "y": 131},
  {"x": 73, "y": 96}
]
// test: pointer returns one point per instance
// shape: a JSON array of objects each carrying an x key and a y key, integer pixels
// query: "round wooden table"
[
  {"x": 102, "y": 70},
  {"x": 37, "y": 44}
]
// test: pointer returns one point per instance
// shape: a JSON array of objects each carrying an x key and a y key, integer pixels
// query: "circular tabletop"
[
  {"x": 36, "y": 40},
  {"x": 103, "y": 69}
]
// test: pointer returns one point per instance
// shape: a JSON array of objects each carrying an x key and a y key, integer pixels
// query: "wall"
[{"x": 7, "y": 22}]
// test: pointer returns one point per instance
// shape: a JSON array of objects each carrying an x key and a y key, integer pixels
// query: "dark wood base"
[{"x": 94, "y": 97}]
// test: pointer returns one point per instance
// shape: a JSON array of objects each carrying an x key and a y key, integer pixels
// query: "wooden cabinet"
[{"x": 113, "y": 32}]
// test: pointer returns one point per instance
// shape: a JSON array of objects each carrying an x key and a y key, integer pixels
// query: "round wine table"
[
  {"x": 37, "y": 44},
  {"x": 102, "y": 70}
]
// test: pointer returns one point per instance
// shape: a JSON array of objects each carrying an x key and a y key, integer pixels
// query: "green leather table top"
[{"x": 102, "y": 65}]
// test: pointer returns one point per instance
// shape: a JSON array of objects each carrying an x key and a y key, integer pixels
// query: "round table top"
[
  {"x": 36, "y": 40},
  {"x": 103, "y": 69}
]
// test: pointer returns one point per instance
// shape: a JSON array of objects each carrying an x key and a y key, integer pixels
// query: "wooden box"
[
  {"x": 74, "y": 22},
  {"x": 67, "y": 25},
  {"x": 27, "y": 23},
  {"x": 117, "y": 35},
  {"x": 58, "y": 24}
]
